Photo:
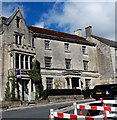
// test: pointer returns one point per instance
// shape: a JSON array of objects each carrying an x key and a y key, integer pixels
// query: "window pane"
[
  {"x": 48, "y": 61},
  {"x": 17, "y": 60},
  {"x": 22, "y": 60},
  {"x": 47, "y": 44},
  {"x": 68, "y": 63},
  {"x": 33, "y": 43},
  {"x": 66, "y": 47},
  {"x": 84, "y": 49},
  {"x": 85, "y": 64},
  {"x": 18, "y": 39},
  {"x": 26, "y": 60},
  {"x": 49, "y": 83},
  {"x": 87, "y": 83}
]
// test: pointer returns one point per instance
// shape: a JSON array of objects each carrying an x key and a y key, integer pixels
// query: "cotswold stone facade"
[{"x": 66, "y": 60}]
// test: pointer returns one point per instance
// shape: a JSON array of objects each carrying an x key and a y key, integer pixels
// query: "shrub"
[
  {"x": 55, "y": 92},
  {"x": 87, "y": 93},
  {"x": 7, "y": 92}
]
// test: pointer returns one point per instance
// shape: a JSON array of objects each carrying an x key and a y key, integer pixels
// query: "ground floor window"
[
  {"x": 87, "y": 83},
  {"x": 68, "y": 83},
  {"x": 49, "y": 83}
]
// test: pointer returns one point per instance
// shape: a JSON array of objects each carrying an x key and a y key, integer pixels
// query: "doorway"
[
  {"x": 25, "y": 90},
  {"x": 75, "y": 82}
]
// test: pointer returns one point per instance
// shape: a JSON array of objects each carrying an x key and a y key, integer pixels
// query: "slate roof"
[
  {"x": 60, "y": 35},
  {"x": 106, "y": 41},
  {"x": 54, "y": 33}
]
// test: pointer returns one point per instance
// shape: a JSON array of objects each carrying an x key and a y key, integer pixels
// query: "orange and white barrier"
[
  {"x": 71, "y": 116},
  {"x": 61, "y": 113}
]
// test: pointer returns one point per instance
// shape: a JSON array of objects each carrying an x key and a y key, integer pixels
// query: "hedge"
[
  {"x": 55, "y": 92},
  {"x": 87, "y": 93}
]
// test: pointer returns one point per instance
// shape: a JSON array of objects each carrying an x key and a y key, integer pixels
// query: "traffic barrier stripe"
[
  {"x": 73, "y": 116},
  {"x": 70, "y": 116},
  {"x": 82, "y": 107},
  {"x": 97, "y": 107},
  {"x": 89, "y": 118},
  {"x": 94, "y": 107},
  {"x": 107, "y": 108},
  {"x": 60, "y": 115}
]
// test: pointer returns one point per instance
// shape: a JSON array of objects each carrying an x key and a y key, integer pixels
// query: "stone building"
[
  {"x": 106, "y": 51},
  {"x": 66, "y": 60}
]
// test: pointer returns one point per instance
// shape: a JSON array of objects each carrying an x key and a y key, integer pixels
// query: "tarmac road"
[{"x": 33, "y": 113}]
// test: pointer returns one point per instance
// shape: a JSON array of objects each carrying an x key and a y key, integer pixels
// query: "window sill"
[
  {"x": 48, "y": 49},
  {"x": 68, "y": 51},
  {"x": 85, "y": 54}
]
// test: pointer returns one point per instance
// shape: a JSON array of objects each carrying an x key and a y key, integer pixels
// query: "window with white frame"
[
  {"x": 47, "y": 44},
  {"x": 68, "y": 63},
  {"x": 85, "y": 64},
  {"x": 84, "y": 50},
  {"x": 48, "y": 61},
  {"x": 66, "y": 45},
  {"x": 49, "y": 82}
]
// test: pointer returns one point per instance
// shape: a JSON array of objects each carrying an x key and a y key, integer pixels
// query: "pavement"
[{"x": 47, "y": 104}]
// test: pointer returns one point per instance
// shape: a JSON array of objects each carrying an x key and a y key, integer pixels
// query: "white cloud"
[
  {"x": 39, "y": 24},
  {"x": 8, "y": 9},
  {"x": 74, "y": 15}
]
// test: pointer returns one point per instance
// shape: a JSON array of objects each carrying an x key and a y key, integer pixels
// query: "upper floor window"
[
  {"x": 68, "y": 63},
  {"x": 85, "y": 64},
  {"x": 26, "y": 62},
  {"x": 47, "y": 44},
  {"x": 116, "y": 52},
  {"x": 67, "y": 47},
  {"x": 18, "y": 39},
  {"x": 18, "y": 22},
  {"x": 22, "y": 61},
  {"x": 48, "y": 61},
  {"x": 49, "y": 83},
  {"x": 17, "y": 60},
  {"x": 84, "y": 50}
]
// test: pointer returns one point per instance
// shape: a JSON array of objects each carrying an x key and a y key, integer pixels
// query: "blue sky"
[{"x": 67, "y": 16}]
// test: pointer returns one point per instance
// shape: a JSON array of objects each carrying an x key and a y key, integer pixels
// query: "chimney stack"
[
  {"x": 78, "y": 32},
  {"x": 88, "y": 31}
]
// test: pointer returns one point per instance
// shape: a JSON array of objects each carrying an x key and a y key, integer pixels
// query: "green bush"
[
  {"x": 87, "y": 93},
  {"x": 7, "y": 92},
  {"x": 55, "y": 92}
]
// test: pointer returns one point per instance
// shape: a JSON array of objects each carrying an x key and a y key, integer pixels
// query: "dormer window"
[{"x": 18, "y": 22}]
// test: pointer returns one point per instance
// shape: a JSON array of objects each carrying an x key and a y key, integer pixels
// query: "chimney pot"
[
  {"x": 88, "y": 31},
  {"x": 78, "y": 32}
]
